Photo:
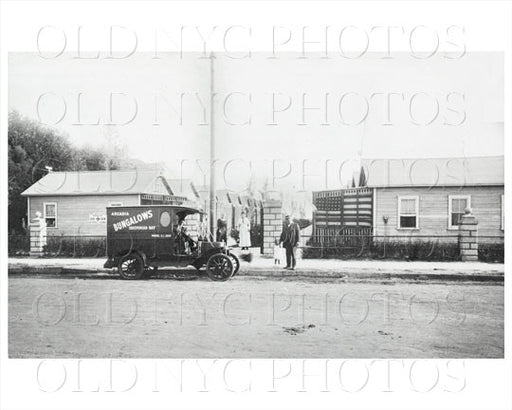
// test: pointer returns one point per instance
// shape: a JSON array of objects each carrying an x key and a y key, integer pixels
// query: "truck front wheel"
[
  {"x": 131, "y": 267},
  {"x": 219, "y": 267}
]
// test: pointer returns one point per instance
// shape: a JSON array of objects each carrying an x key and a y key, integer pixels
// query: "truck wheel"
[
  {"x": 131, "y": 267},
  {"x": 236, "y": 263},
  {"x": 219, "y": 267}
]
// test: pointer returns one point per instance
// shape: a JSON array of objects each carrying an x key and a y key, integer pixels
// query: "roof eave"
[
  {"x": 82, "y": 193},
  {"x": 436, "y": 186}
]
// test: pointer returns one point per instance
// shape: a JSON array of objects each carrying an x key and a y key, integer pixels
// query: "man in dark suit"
[
  {"x": 290, "y": 237},
  {"x": 222, "y": 229}
]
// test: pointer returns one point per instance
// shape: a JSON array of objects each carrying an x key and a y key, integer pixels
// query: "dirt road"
[{"x": 253, "y": 318}]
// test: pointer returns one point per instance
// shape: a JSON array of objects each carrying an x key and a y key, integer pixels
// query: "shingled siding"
[
  {"x": 433, "y": 211},
  {"x": 74, "y": 212}
]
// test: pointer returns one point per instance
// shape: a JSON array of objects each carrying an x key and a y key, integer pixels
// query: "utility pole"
[{"x": 212, "y": 150}]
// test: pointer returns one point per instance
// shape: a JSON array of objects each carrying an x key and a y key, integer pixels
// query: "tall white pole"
[{"x": 212, "y": 149}]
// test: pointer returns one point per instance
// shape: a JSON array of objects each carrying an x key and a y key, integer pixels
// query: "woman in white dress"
[{"x": 244, "y": 227}]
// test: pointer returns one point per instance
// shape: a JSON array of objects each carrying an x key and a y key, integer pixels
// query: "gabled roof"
[
  {"x": 430, "y": 172},
  {"x": 227, "y": 196},
  {"x": 181, "y": 186},
  {"x": 119, "y": 182}
]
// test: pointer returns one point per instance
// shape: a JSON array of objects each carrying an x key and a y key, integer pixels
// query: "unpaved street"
[{"x": 252, "y": 317}]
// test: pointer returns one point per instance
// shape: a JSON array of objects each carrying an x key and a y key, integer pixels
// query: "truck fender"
[{"x": 130, "y": 251}]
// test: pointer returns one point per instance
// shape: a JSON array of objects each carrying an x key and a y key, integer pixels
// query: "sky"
[{"x": 291, "y": 122}]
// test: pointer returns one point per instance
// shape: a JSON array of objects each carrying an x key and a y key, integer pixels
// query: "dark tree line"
[{"x": 32, "y": 148}]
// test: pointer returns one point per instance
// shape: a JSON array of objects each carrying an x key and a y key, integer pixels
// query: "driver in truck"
[{"x": 183, "y": 242}]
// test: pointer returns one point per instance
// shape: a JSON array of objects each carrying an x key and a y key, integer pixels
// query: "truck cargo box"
[{"x": 146, "y": 228}]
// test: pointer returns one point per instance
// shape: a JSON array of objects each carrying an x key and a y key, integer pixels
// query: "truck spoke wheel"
[
  {"x": 131, "y": 266},
  {"x": 219, "y": 267}
]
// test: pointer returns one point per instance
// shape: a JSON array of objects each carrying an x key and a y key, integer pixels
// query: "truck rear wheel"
[
  {"x": 219, "y": 267},
  {"x": 131, "y": 267}
]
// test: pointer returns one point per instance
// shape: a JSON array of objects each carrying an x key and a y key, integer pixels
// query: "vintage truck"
[{"x": 144, "y": 237}]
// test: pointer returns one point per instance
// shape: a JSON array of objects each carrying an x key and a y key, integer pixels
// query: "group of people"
[
  {"x": 244, "y": 229},
  {"x": 287, "y": 243}
]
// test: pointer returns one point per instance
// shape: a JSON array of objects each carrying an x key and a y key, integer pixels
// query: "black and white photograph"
[{"x": 250, "y": 206}]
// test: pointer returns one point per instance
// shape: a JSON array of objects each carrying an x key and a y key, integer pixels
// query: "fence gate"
[{"x": 343, "y": 216}]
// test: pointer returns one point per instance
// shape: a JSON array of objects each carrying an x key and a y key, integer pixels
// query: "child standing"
[{"x": 278, "y": 251}]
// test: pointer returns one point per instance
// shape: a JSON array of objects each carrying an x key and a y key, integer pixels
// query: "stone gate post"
[
  {"x": 37, "y": 229},
  {"x": 272, "y": 224},
  {"x": 468, "y": 237}
]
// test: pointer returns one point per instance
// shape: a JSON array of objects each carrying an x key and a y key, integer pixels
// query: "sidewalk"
[{"x": 262, "y": 266}]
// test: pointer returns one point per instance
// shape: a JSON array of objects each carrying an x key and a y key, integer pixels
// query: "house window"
[
  {"x": 50, "y": 214},
  {"x": 408, "y": 212},
  {"x": 115, "y": 204},
  {"x": 456, "y": 206}
]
